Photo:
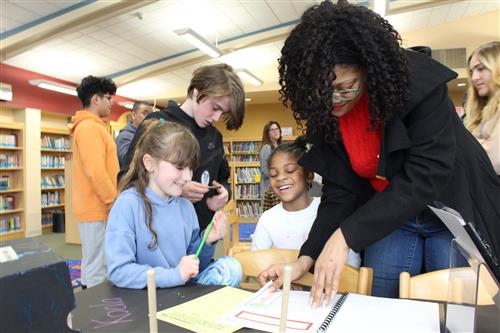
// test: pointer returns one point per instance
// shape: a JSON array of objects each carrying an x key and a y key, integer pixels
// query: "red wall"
[{"x": 25, "y": 95}]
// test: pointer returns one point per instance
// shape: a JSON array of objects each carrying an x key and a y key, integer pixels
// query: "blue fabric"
[
  {"x": 128, "y": 237},
  {"x": 74, "y": 267},
  {"x": 415, "y": 247},
  {"x": 224, "y": 271}
]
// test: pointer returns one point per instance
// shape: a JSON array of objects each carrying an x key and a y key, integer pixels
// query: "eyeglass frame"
[
  {"x": 273, "y": 129},
  {"x": 335, "y": 94}
]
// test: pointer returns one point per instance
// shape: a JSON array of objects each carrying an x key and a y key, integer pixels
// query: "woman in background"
[
  {"x": 483, "y": 101},
  {"x": 271, "y": 138}
]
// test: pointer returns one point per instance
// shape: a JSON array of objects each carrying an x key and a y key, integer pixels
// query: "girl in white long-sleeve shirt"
[{"x": 287, "y": 225}]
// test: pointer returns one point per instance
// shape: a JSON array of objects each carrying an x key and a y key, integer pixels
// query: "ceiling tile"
[
  {"x": 261, "y": 13},
  {"x": 438, "y": 15},
  {"x": 283, "y": 10}
]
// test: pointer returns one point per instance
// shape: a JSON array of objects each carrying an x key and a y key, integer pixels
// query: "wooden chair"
[
  {"x": 254, "y": 262},
  {"x": 231, "y": 241},
  {"x": 435, "y": 286}
]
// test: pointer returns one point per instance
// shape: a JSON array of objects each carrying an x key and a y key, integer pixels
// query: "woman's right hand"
[
  {"x": 275, "y": 272},
  {"x": 189, "y": 267}
]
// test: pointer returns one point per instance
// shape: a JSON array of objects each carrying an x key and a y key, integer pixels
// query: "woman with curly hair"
[
  {"x": 483, "y": 102},
  {"x": 387, "y": 141}
]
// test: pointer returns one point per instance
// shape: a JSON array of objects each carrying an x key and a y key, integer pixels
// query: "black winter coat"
[{"x": 426, "y": 154}]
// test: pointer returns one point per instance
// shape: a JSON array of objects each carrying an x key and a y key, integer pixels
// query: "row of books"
[
  {"x": 48, "y": 216},
  {"x": 4, "y": 182},
  {"x": 245, "y": 158},
  {"x": 7, "y": 202},
  {"x": 249, "y": 209},
  {"x": 245, "y": 148},
  {"x": 62, "y": 143},
  {"x": 53, "y": 161},
  {"x": 8, "y": 140},
  {"x": 247, "y": 175},
  {"x": 246, "y": 191},
  {"x": 52, "y": 181},
  {"x": 9, "y": 161},
  {"x": 10, "y": 223},
  {"x": 51, "y": 198}
]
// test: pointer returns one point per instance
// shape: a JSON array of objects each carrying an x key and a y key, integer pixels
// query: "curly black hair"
[
  {"x": 92, "y": 85},
  {"x": 326, "y": 34}
]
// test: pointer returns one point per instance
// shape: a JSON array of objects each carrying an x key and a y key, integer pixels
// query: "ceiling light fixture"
[
  {"x": 62, "y": 88},
  {"x": 248, "y": 99},
  {"x": 200, "y": 42},
  {"x": 380, "y": 7},
  {"x": 246, "y": 75},
  {"x": 461, "y": 84}
]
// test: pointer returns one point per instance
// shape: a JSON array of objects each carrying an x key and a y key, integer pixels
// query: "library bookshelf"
[
  {"x": 55, "y": 150},
  {"x": 12, "y": 217},
  {"x": 243, "y": 156}
]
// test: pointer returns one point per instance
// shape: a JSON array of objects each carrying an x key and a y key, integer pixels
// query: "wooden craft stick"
[
  {"x": 153, "y": 324},
  {"x": 287, "y": 277}
]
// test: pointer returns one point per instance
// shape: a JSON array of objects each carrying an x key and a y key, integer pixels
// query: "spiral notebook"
[{"x": 346, "y": 313}]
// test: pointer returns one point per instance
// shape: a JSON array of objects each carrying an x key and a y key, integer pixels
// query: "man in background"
[
  {"x": 94, "y": 173},
  {"x": 139, "y": 111}
]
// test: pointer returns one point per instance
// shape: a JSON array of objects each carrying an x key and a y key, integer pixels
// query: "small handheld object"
[{"x": 204, "y": 239}]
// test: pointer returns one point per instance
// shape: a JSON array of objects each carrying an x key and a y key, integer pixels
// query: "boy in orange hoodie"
[{"x": 94, "y": 173}]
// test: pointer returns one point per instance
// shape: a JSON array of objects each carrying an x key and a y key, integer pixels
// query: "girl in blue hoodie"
[{"x": 151, "y": 226}]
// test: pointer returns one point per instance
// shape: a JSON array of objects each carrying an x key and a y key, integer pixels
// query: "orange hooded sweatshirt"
[{"x": 95, "y": 167}]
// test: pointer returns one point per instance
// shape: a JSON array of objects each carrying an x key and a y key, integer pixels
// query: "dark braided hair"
[
  {"x": 297, "y": 148},
  {"x": 326, "y": 35}
]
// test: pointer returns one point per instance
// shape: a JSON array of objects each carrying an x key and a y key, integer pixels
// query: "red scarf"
[{"x": 361, "y": 143}]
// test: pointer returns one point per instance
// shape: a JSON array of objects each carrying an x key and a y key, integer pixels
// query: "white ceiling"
[{"x": 133, "y": 41}]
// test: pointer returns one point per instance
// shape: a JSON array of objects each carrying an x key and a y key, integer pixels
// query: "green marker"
[{"x": 204, "y": 239}]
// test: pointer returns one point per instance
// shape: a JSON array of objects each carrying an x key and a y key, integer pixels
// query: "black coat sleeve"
[
  {"x": 426, "y": 171},
  {"x": 337, "y": 203}
]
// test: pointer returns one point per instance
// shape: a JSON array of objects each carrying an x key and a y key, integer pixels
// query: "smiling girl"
[
  {"x": 286, "y": 225},
  {"x": 151, "y": 226}
]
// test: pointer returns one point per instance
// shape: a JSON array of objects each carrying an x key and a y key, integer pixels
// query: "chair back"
[
  {"x": 254, "y": 262},
  {"x": 435, "y": 286},
  {"x": 232, "y": 220}
]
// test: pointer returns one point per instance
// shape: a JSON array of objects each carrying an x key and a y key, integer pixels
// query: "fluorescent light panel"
[
  {"x": 201, "y": 43},
  {"x": 62, "y": 88},
  {"x": 246, "y": 75}
]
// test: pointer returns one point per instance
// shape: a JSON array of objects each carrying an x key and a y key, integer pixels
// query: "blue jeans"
[
  {"x": 417, "y": 246},
  {"x": 224, "y": 271}
]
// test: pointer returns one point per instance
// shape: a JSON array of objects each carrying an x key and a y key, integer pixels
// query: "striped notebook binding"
[{"x": 331, "y": 315}]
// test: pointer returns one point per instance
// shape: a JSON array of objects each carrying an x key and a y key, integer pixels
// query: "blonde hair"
[
  {"x": 482, "y": 108},
  {"x": 217, "y": 81},
  {"x": 163, "y": 141}
]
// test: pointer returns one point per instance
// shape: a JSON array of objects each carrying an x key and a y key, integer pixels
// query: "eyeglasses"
[
  {"x": 346, "y": 94},
  {"x": 273, "y": 129}
]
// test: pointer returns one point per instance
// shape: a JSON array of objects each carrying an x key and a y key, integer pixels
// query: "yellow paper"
[{"x": 202, "y": 313}]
